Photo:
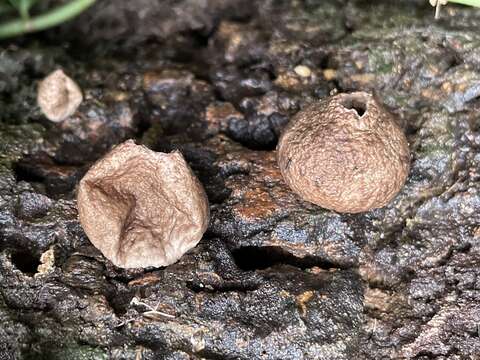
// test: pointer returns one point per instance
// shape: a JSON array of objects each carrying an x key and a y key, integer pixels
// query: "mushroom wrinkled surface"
[
  {"x": 345, "y": 153},
  {"x": 58, "y": 96},
  {"x": 142, "y": 208}
]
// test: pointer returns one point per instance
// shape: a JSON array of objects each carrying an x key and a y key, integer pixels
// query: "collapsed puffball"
[
  {"x": 142, "y": 208},
  {"x": 58, "y": 96}
]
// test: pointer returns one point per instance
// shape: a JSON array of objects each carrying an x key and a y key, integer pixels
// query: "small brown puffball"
[
  {"x": 345, "y": 153},
  {"x": 58, "y": 96}
]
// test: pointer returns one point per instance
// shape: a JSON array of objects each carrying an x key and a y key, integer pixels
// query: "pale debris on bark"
[{"x": 58, "y": 96}]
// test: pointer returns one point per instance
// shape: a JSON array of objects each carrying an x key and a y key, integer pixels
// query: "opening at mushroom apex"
[{"x": 355, "y": 102}]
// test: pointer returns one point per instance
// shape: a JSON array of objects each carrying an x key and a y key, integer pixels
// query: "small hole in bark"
[
  {"x": 259, "y": 258},
  {"x": 46, "y": 176},
  {"x": 120, "y": 301},
  {"x": 22, "y": 173},
  {"x": 25, "y": 262},
  {"x": 356, "y": 103}
]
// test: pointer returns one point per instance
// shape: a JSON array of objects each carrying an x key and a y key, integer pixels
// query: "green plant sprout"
[
  {"x": 27, "y": 23},
  {"x": 439, "y": 3},
  {"x": 467, "y": 2}
]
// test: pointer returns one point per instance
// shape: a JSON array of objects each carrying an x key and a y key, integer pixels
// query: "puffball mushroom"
[
  {"x": 142, "y": 208},
  {"x": 58, "y": 96},
  {"x": 345, "y": 153}
]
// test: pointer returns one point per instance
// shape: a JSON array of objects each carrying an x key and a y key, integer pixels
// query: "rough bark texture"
[{"x": 274, "y": 277}]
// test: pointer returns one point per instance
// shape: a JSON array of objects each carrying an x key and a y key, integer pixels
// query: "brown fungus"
[
  {"x": 58, "y": 96},
  {"x": 142, "y": 208},
  {"x": 345, "y": 153}
]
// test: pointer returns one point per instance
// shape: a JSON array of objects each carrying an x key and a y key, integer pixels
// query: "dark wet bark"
[{"x": 274, "y": 277}]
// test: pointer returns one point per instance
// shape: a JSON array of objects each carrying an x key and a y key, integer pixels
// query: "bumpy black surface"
[{"x": 274, "y": 277}]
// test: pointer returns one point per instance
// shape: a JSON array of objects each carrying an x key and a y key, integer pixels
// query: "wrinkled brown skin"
[
  {"x": 142, "y": 208},
  {"x": 335, "y": 158}
]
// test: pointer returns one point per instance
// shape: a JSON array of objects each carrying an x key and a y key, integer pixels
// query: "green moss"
[
  {"x": 380, "y": 62},
  {"x": 70, "y": 352}
]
